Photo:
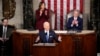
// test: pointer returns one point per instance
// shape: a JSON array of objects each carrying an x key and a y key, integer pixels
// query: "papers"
[
  {"x": 60, "y": 32},
  {"x": 45, "y": 44},
  {"x": 38, "y": 44}
]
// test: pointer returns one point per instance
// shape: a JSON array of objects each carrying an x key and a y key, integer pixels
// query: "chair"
[
  {"x": 52, "y": 19},
  {"x": 70, "y": 14}
]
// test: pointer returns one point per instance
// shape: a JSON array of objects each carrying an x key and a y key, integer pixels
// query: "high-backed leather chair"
[
  {"x": 52, "y": 19},
  {"x": 70, "y": 14}
]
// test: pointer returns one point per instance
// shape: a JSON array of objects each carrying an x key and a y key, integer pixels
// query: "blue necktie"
[{"x": 47, "y": 37}]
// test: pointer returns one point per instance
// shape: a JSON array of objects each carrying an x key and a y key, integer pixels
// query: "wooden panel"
[
  {"x": 89, "y": 45},
  {"x": 71, "y": 45}
]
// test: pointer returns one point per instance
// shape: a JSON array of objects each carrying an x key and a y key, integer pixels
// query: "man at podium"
[{"x": 47, "y": 35}]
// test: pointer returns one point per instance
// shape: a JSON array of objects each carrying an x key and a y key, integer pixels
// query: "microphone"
[{"x": 46, "y": 33}]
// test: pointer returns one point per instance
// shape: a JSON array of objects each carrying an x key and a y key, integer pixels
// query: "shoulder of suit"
[
  {"x": 45, "y": 9},
  {"x": 40, "y": 31},
  {"x": 80, "y": 18},
  {"x": 0, "y": 25},
  {"x": 37, "y": 10},
  {"x": 52, "y": 31},
  {"x": 10, "y": 26},
  {"x": 71, "y": 18}
]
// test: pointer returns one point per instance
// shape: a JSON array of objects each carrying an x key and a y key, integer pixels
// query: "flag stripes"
[{"x": 61, "y": 8}]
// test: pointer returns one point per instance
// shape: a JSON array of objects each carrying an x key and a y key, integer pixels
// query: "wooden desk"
[{"x": 78, "y": 44}]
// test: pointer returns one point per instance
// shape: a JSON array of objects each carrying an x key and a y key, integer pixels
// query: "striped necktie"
[
  {"x": 47, "y": 37},
  {"x": 4, "y": 32}
]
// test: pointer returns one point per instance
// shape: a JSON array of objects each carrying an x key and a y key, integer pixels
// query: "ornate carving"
[{"x": 9, "y": 7}]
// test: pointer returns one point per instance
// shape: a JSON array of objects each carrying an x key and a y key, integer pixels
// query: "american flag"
[{"x": 61, "y": 8}]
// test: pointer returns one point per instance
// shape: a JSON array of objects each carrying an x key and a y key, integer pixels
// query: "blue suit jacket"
[
  {"x": 80, "y": 24},
  {"x": 52, "y": 37}
]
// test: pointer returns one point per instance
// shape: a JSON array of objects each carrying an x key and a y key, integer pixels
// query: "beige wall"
[
  {"x": 35, "y": 6},
  {"x": 18, "y": 18},
  {"x": 0, "y": 10}
]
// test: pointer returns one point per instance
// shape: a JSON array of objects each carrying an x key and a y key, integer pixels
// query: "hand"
[
  {"x": 46, "y": 12},
  {"x": 60, "y": 38},
  {"x": 6, "y": 39},
  {"x": 37, "y": 39},
  {"x": 40, "y": 12},
  {"x": 76, "y": 22},
  {"x": 1, "y": 39},
  {"x": 73, "y": 22}
]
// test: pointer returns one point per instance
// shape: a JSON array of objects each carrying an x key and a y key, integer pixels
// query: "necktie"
[
  {"x": 47, "y": 37},
  {"x": 4, "y": 33}
]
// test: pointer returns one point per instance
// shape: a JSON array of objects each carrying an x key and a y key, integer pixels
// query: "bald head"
[
  {"x": 76, "y": 13},
  {"x": 46, "y": 25}
]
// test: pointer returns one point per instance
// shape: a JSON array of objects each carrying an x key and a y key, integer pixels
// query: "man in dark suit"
[
  {"x": 5, "y": 34},
  {"x": 75, "y": 22},
  {"x": 47, "y": 35}
]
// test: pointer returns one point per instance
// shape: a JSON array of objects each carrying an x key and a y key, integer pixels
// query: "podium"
[
  {"x": 78, "y": 44},
  {"x": 45, "y": 49}
]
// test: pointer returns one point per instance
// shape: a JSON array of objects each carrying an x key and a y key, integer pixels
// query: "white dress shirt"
[{"x": 47, "y": 32}]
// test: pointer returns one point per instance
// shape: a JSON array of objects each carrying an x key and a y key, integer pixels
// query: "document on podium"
[
  {"x": 45, "y": 44},
  {"x": 50, "y": 44},
  {"x": 38, "y": 44}
]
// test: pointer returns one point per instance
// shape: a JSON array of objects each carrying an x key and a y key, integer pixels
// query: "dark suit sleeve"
[
  {"x": 38, "y": 17},
  {"x": 46, "y": 16},
  {"x": 55, "y": 37},
  {"x": 80, "y": 24},
  {"x": 39, "y": 34},
  {"x": 0, "y": 31},
  {"x": 69, "y": 22}
]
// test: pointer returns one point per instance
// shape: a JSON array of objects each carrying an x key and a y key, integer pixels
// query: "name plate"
[{"x": 45, "y": 44}]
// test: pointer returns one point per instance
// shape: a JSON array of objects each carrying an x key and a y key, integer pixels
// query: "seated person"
[
  {"x": 75, "y": 22},
  {"x": 5, "y": 35},
  {"x": 47, "y": 35}
]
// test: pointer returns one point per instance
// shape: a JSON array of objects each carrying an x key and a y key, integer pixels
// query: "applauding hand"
[
  {"x": 37, "y": 39},
  {"x": 46, "y": 12},
  {"x": 40, "y": 12},
  {"x": 76, "y": 22},
  {"x": 1, "y": 39},
  {"x": 59, "y": 38}
]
